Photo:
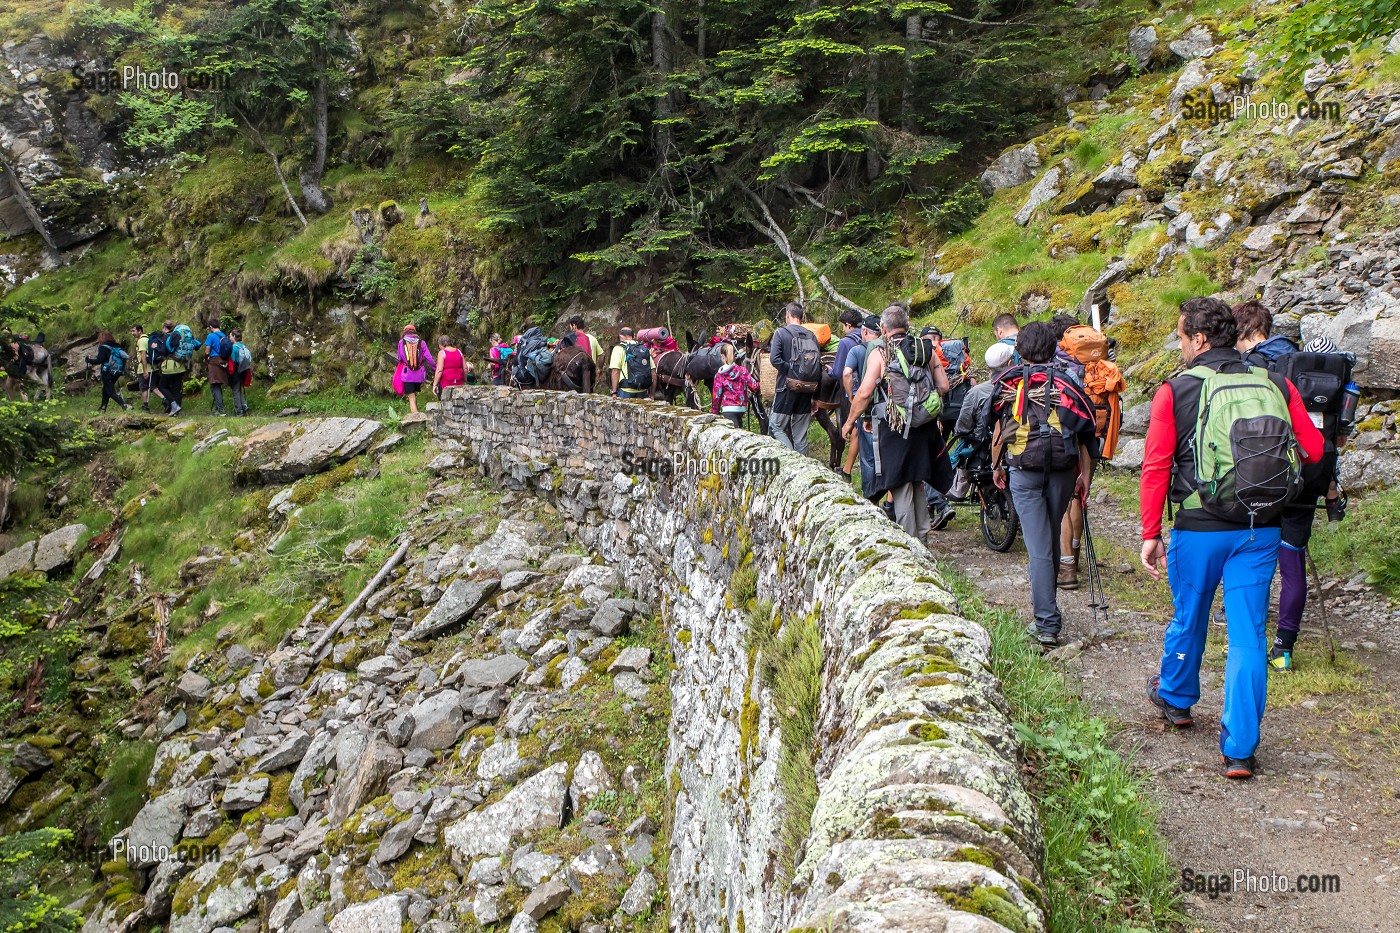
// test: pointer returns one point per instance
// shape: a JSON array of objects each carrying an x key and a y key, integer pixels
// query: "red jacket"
[{"x": 1170, "y": 425}]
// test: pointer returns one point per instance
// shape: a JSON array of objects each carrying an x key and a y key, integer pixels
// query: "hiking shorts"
[{"x": 409, "y": 388}]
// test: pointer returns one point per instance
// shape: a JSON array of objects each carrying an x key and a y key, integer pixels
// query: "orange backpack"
[
  {"x": 1105, "y": 386},
  {"x": 1085, "y": 344}
]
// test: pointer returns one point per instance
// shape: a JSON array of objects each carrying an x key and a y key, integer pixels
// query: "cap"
[
  {"x": 410, "y": 329},
  {"x": 999, "y": 355},
  {"x": 931, "y": 331},
  {"x": 871, "y": 322},
  {"x": 1320, "y": 345}
]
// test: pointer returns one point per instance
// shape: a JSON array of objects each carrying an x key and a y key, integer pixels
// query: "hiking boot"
[
  {"x": 941, "y": 520},
  {"x": 1067, "y": 578},
  {"x": 1280, "y": 659},
  {"x": 175, "y": 409},
  {"x": 1181, "y": 718},
  {"x": 1241, "y": 769},
  {"x": 1046, "y": 640},
  {"x": 145, "y": 406}
]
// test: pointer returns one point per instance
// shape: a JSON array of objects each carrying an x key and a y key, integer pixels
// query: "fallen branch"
[
  {"x": 161, "y": 636},
  {"x": 322, "y": 645},
  {"x": 306, "y": 620}
]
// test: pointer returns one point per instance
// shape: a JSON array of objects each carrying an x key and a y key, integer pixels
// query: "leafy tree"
[
  {"x": 23, "y": 907},
  {"x": 1331, "y": 29}
]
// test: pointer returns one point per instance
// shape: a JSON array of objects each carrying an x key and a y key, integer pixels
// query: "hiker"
[
  {"x": 578, "y": 337},
  {"x": 852, "y": 375},
  {"x": 1085, "y": 351},
  {"x": 111, "y": 363},
  {"x": 953, "y": 357},
  {"x": 143, "y": 364},
  {"x": 452, "y": 367},
  {"x": 178, "y": 345},
  {"x": 905, "y": 396},
  {"x": 1043, "y": 454},
  {"x": 733, "y": 387},
  {"x": 797, "y": 358},
  {"x": 851, "y": 327},
  {"x": 412, "y": 370},
  {"x": 1005, "y": 329},
  {"x": 16, "y": 367},
  {"x": 500, "y": 354},
  {"x": 1326, "y": 374},
  {"x": 972, "y": 430},
  {"x": 1226, "y": 528},
  {"x": 217, "y": 350},
  {"x": 240, "y": 371},
  {"x": 630, "y": 367}
]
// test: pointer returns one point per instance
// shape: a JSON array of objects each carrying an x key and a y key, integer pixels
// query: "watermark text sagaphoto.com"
[
  {"x": 1247, "y": 881},
  {"x": 136, "y": 78},
  {"x": 682, "y": 464}
]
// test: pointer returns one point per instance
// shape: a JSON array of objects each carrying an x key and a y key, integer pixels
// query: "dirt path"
[{"x": 1325, "y": 801}]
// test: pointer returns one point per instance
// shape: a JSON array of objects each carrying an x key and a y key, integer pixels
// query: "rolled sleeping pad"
[{"x": 653, "y": 335}]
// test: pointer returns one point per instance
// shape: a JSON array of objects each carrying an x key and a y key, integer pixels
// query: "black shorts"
[
  {"x": 409, "y": 388},
  {"x": 143, "y": 382}
]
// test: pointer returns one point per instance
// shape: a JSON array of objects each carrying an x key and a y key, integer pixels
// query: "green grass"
[
  {"x": 1106, "y": 866},
  {"x": 126, "y": 786},
  {"x": 1364, "y": 541}
]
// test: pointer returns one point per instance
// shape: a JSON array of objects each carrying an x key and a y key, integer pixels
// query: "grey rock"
[
  {"x": 1196, "y": 42},
  {"x": 245, "y": 795},
  {"x": 398, "y": 839},
  {"x": 545, "y": 900},
  {"x": 631, "y": 659},
  {"x": 630, "y": 685},
  {"x": 376, "y": 670},
  {"x": 457, "y": 605},
  {"x": 282, "y": 452},
  {"x": 222, "y": 906},
  {"x": 9, "y": 783},
  {"x": 529, "y": 868},
  {"x": 615, "y": 615},
  {"x": 238, "y": 657},
  {"x": 638, "y": 851},
  {"x": 192, "y": 687},
  {"x": 535, "y": 804},
  {"x": 639, "y": 896},
  {"x": 597, "y": 859},
  {"x": 313, "y": 921},
  {"x": 320, "y": 753},
  {"x": 1045, "y": 190},
  {"x": 31, "y": 758},
  {"x": 55, "y": 550},
  {"x": 364, "y": 762},
  {"x": 287, "y": 752},
  {"x": 382, "y": 915},
  {"x": 399, "y": 729},
  {"x": 445, "y": 463},
  {"x": 523, "y": 923},
  {"x": 488, "y": 904},
  {"x": 1266, "y": 238},
  {"x": 437, "y": 720},
  {"x": 517, "y": 579},
  {"x": 500, "y": 671},
  {"x": 489, "y": 704},
  {"x": 591, "y": 778},
  {"x": 1142, "y": 43},
  {"x": 156, "y": 829},
  {"x": 500, "y": 760},
  {"x": 1013, "y": 167},
  {"x": 1194, "y": 75},
  {"x": 562, "y": 563},
  {"x": 16, "y": 559}
]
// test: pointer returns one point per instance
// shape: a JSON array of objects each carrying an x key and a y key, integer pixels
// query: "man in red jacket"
[{"x": 1207, "y": 549}]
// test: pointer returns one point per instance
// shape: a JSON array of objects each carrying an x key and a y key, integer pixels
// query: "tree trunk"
[
  {"x": 872, "y": 112},
  {"x": 661, "y": 62},
  {"x": 316, "y": 199},
  {"x": 913, "y": 32},
  {"x": 277, "y": 166},
  {"x": 700, "y": 32}
]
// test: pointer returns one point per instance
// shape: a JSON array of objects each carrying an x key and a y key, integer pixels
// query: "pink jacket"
[{"x": 733, "y": 385}]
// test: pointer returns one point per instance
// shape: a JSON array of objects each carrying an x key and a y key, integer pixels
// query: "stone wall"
[{"x": 922, "y": 821}]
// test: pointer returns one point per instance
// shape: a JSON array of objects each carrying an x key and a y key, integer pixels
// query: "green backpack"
[
  {"x": 1248, "y": 466},
  {"x": 911, "y": 401}
]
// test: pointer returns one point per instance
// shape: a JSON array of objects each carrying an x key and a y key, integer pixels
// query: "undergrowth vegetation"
[{"x": 1106, "y": 864}]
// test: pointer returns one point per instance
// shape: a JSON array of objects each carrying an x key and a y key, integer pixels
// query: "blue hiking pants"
[{"x": 1198, "y": 562}]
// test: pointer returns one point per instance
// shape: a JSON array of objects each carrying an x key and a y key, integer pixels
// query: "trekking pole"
[
  {"x": 1097, "y": 599},
  {"x": 1326, "y": 616}
]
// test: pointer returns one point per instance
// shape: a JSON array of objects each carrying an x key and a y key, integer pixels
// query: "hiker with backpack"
[
  {"x": 111, "y": 362},
  {"x": 1042, "y": 453},
  {"x": 630, "y": 367},
  {"x": 1322, "y": 377},
  {"x": 1224, "y": 445},
  {"x": 240, "y": 371},
  {"x": 141, "y": 362},
  {"x": 177, "y": 348},
  {"x": 412, "y": 371},
  {"x": 218, "y": 347},
  {"x": 972, "y": 431},
  {"x": 797, "y": 358},
  {"x": 1005, "y": 328},
  {"x": 957, "y": 365},
  {"x": 734, "y": 385},
  {"x": 499, "y": 359},
  {"x": 903, "y": 388},
  {"x": 534, "y": 358},
  {"x": 852, "y": 375},
  {"x": 578, "y": 337},
  {"x": 1085, "y": 351}
]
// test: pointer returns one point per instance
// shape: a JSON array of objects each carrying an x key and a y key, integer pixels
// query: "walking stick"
[
  {"x": 1097, "y": 600},
  {"x": 1326, "y": 616}
]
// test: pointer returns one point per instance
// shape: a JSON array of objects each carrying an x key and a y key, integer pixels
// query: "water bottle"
[{"x": 1351, "y": 397}]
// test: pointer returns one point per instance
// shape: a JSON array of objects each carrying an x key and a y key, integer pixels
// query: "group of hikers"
[
  {"x": 1240, "y": 449},
  {"x": 161, "y": 360}
]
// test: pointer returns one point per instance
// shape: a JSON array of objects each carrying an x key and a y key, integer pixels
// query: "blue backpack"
[
  {"x": 116, "y": 361},
  {"x": 241, "y": 358},
  {"x": 181, "y": 343}
]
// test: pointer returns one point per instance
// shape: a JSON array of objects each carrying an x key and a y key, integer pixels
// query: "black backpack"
[
  {"x": 638, "y": 359},
  {"x": 805, "y": 365},
  {"x": 1320, "y": 379},
  {"x": 532, "y": 358}
]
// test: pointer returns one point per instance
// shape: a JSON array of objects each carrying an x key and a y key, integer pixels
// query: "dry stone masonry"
[{"x": 918, "y": 777}]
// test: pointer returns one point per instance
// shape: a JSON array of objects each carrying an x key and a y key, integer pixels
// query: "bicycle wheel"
[{"x": 999, "y": 521}]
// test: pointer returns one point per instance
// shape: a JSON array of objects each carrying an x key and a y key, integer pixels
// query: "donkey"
[
  {"x": 829, "y": 398},
  {"x": 677, "y": 372},
  {"x": 572, "y": 370}
]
